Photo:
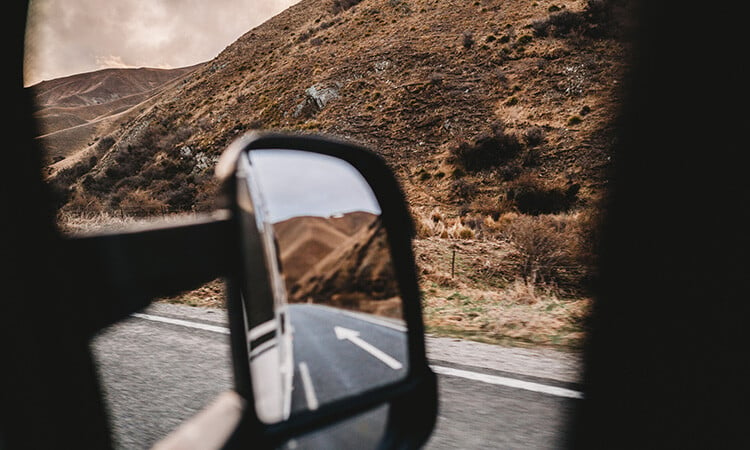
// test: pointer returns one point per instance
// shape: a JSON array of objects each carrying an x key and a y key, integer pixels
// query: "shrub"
[
  {"x": 339, "y": 6},
  {"x": 487, "y": 150},
  {"x": 467, "y": 40},
  {"x": 540, "y": 27},
  {"x": 509, "y": 171},
  {"x": 531, "y": 195},
  {"x": 525, "y": 39},
  {"x": 131, "y": 183},
  {"x": 104, "y": 144},
  {"x": 544, "y": 248},
  {"x": 464, "y": 232},
  {"x": 574, "y": 120},
  {"x": 531, "y": 158},
  {"x": 82, "y": 202},
  {"x": 598, "y": 19},
  {"x": 534, "y": 136},
  {"x": 564, "y": 22},
  {"x": 61, "y": 183},
  {"x": 464, "y": 189},
  {"x": 141, "y": 203}
]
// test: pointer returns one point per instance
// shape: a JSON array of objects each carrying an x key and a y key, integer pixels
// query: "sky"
[
  {"x": 65, "y": 37},
  {"x": 295, "y": 183}
]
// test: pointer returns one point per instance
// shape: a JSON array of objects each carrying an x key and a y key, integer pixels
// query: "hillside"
[
  {"x": 305, "y": 241},
  {"x": 339, "y": 261},
  {"x": 71, "y": 111},
  {"x": 496, "y": 115},
  {"x": 411, "y": 79}
]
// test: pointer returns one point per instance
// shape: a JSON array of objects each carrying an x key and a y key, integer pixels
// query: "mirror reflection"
[{"x": 336, "y": 328}]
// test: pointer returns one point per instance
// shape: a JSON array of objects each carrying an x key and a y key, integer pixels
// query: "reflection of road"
[{"x": 339, "y": 354}]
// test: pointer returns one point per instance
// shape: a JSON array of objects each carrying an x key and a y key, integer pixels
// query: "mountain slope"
[{"x": 421, "y": 82}]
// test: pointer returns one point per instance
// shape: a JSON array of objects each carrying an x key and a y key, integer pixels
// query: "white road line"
[
  {"x": 440, "y": 370},
  {"x": 184, "y": 323},
  {"x": 509, "y": 382},
  {"x": 312, "y": 399}
]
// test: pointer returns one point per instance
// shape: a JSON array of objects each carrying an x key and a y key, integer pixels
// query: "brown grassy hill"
[
  {"x": 74, "y": 110},
  {"x": 100, "y": 87},
  {"x": 305, "y": 241},
  {"x": 355, "y": 272},
  {"x": 424, "y": 83}
]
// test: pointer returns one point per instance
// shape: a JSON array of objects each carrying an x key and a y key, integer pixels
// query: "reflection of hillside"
[{"x": 343, "y": 261}]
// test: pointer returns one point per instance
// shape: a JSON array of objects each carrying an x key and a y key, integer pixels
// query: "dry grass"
[
  {"x": 519, "y": 313},
  {"x": 518, "y": 279},
  {"x": 210, "y": 295},
  {"x": 93, "y": 222},
  {"x": 111, "y": 221}
]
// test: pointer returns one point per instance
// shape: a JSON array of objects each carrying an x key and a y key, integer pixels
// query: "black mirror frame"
[{"x": 413, "y": 400}]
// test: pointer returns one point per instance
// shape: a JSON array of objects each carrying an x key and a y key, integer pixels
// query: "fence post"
[{"x": 453, "y": 263}]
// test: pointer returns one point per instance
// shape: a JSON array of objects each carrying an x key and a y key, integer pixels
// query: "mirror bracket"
[{"x": 143, "y": 262}]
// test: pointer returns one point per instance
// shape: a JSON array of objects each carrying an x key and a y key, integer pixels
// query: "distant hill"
[{"x": 72, "y": 110}]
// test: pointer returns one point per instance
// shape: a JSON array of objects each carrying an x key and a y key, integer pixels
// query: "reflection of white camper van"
[{"x": 268, "y": 332}]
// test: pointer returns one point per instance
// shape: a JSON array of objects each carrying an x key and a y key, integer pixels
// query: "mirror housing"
[{"x": 413, "y": 397}]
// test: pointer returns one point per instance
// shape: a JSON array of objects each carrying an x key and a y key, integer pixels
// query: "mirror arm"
[{"x": 119, "y": 274}]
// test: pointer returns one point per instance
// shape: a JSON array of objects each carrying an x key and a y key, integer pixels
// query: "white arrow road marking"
[{"x": 353, "y": 337}]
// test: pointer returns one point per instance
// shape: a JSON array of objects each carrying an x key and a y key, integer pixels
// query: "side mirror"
[{"x": 324, "y": 310}]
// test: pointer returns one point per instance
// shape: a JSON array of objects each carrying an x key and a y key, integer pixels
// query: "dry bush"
[
  {"x": 546, "y": 249},
  {"x": 81, "y": 202},
  {"x": 140, "y": 203},
  {"x": 533, "y": 195},
  {"x": 460, "y": 231},
  {"x": 463, "y": 189},
  {"x": 534, "y": 136},
  {"x": 523, "y": 293},
  {"x": 62, "y": 182},
  {"x": 487, "y": 150},
  {"x": 339, "y": 6}
]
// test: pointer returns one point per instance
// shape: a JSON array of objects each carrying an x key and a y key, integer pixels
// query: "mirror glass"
[{"x": 337, "y": 325}]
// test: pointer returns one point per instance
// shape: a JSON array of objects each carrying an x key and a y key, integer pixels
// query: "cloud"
[
  {"x": 110, "y": 61},
  {"x": 73, "y": 36}
]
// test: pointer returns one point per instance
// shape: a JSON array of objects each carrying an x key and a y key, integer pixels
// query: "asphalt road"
[
  {"x": 157, "y": 374},
  {"x": 343, "y": 354}
]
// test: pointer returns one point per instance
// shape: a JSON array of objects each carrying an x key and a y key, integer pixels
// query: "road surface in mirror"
[{"x": 340, "y": 353}]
